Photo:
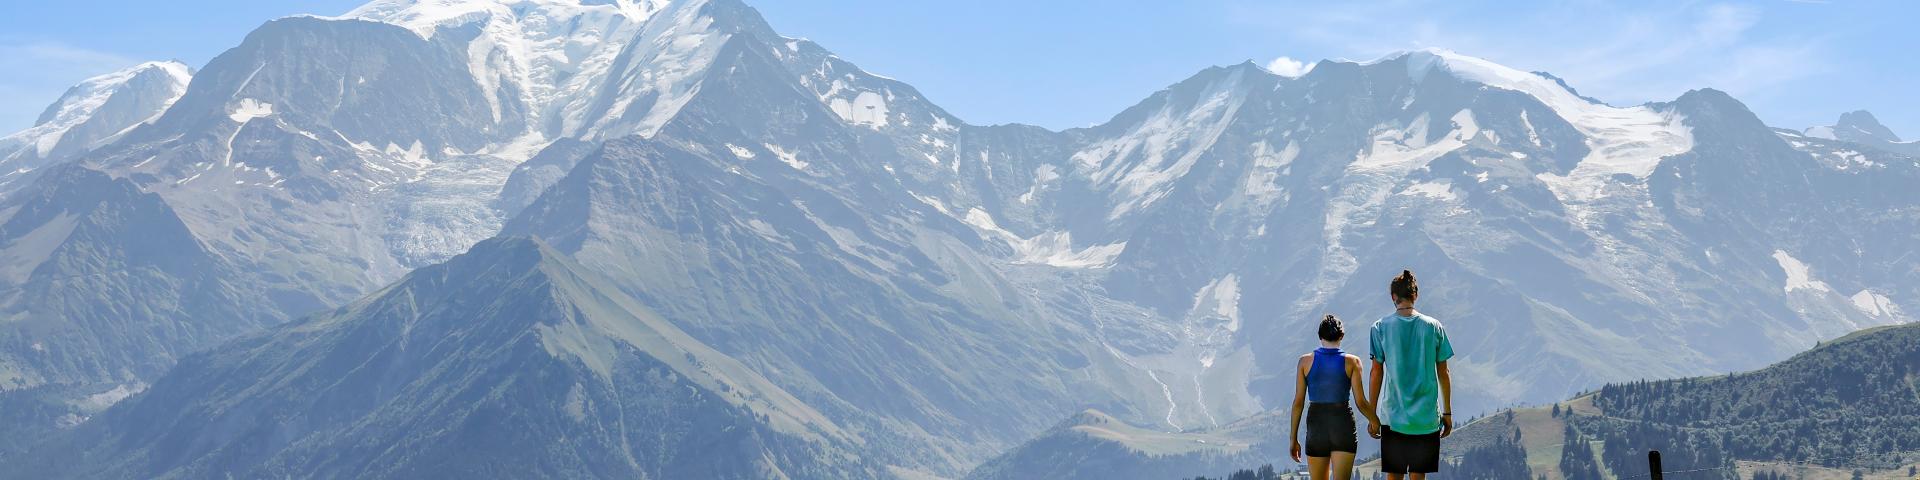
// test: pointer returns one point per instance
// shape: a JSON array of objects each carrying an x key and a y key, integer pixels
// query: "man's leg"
[
  {"x": 1390, "y": 454},
  {"x": 1418, "y": 476},
  {"x": 1317, "y": 468}
]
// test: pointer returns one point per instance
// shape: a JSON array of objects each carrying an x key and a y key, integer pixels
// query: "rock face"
[
  {"x": 104, "y": 288},
  {"x": 923, "y": 293},
  {"x": 507, "y": 361}
]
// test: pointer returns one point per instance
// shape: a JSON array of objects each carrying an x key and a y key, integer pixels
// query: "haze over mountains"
[{"x": 711, "y": 218}]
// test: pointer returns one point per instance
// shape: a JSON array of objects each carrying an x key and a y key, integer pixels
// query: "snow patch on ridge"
[
  {"x": 1056, "y": 249},
  {"x": 1372, "y": 177},
  {"x": 867, "y": 109},
  {"x": 1041, "y": 176},
  {"x": 100, "y": 401},
  {"x": 1137, "y": 166},
  {"x": 740, "y": 152},
  {"x": 1222, "y": 297},
  {"x": 1629, "y": 141},
  {"x": 248, "y": 109},
  {"x": 1874, "y": 304},
  {"x": 1206, "y": 336},
  {"x": 786, "y": 156},
  {"x": 1262, "y": 185},
  {"x": 1440, "y": 189},
  {"x": 1406, "y": 149},
  {"x": 1050, "y": 248},
  {"x": 1799, "y": 275}
]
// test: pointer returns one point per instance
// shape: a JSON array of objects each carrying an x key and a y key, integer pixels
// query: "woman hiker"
[{"x": 1324, "y": 381}]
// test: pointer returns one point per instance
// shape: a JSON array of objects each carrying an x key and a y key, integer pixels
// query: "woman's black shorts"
[{"x": 1330, "y": 429}]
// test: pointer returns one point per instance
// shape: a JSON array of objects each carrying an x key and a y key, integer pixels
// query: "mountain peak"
[
  {"x": 1549, "y": 89},
  {"x": 519, "y": 254},
  {"x": 513, "y": 245},
  {"x": 1563, "y": 84},
  {"x": 1861, "y": 127},
  {"x": 81, "y": 99},
  {"x": 426, "y": 16},
  {"x": 93, "y": 112},
  {"x": 1862, "y": 122}
]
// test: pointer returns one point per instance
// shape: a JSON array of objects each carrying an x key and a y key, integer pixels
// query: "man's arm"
[
  {"x": 1446, "y": 399},
  {"x": 1359, "y": 393},
  {"x": 1373, "y": 383}
]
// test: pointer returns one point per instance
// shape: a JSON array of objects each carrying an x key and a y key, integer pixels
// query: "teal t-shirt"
[{"x": 1409, "y": 348}]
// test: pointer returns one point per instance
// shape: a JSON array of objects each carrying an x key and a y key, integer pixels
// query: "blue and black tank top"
[{"x": 1327, "y": 380}]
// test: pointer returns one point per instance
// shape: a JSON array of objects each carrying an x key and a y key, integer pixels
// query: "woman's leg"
[
  {"x": 1317, "y": 467},
  {"x": 1342, "y": 465}
]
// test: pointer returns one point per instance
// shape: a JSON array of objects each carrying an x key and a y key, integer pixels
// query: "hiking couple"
[{"x": 1409, "y": 352}]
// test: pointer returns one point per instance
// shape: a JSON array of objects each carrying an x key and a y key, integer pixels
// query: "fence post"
[{"x": 1653, "y": 464}]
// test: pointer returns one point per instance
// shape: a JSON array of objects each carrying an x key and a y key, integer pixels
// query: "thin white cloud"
[
  {"x": 39, "y": 71},
  {"x": 1288, "y": 67},
  {"x": 59, "y": 55},
  {"x": 1618, "y": 53}
]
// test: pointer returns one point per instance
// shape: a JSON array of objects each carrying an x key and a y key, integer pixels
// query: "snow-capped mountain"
[
  {"x": 92, "y": 113},
  {"x": 1589, "y": 231},
  {"x": 936, "y": 293},
  {"x": 1565, "y": 242}
]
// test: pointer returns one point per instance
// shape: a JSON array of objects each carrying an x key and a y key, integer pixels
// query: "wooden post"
[{"x": 1653, "y": 464}]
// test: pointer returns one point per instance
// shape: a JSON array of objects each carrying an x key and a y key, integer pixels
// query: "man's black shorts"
[
  {"x": 1403, "y": 453},
  {"x": 1330, "y": 429}
]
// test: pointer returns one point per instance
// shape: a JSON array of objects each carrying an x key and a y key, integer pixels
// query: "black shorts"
[
  {"x": 1403, "y": 453},
  {"x": 1330, "y": 429}
]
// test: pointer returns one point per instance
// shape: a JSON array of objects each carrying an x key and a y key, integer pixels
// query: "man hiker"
[{"x": 1410, "y": 352}]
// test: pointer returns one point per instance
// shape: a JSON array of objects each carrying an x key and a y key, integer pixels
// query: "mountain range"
[{"x": 817, "y": 272}]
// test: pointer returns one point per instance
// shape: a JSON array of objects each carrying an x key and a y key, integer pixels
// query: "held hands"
[
  {"x": 1373, "y": 430},
  {"x": 1295, "y": 451}
]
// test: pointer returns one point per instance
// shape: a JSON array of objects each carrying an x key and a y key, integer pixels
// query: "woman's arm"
[
  {"x": 1359, "y": 393},
  {"x": 1299, "y": 403}
]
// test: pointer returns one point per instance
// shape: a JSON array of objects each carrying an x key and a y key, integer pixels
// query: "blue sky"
[{"x": 1067, "y": 63}]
